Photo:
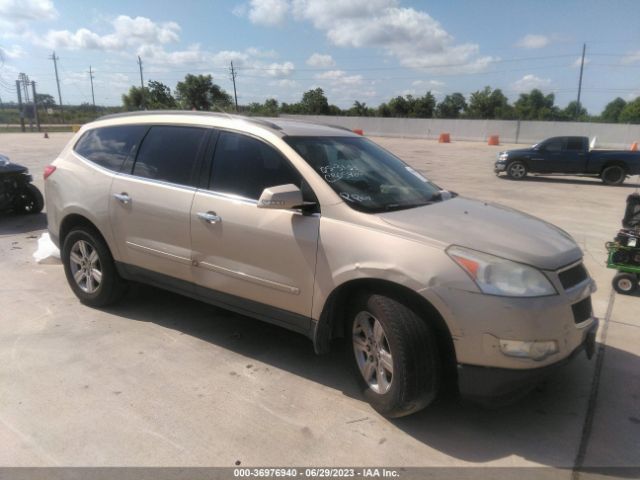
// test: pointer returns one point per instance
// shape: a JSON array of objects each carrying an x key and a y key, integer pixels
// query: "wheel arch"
[
  {"x": 73, "y": 220},
  {"x": 333, "y": 316},
  {"x": 615, "y": 163}
]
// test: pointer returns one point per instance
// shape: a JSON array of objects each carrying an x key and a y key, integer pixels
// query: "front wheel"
[
  {"x": 613, "y": 175},
  {"x": 30, "y": 200},
  {"x": 625, "y": 283},
  {"x": 516, "y": 170},
  {"x": 90, "y": 269},
  {"x": 396, "y": 355}
]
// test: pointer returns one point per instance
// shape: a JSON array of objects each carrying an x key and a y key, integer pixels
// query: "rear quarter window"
[{"x": 109, "y": 147}]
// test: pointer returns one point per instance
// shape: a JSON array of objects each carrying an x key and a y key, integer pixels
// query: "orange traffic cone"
[
  {"x": 444, "y": 138},
  {"x": 634, "y": 146},
  {"x": 493, "y": 140}
]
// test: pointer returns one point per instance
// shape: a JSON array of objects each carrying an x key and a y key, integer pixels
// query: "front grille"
[
  {"x": 582, "y": 310},
  {"x": 573, "y": 276}
]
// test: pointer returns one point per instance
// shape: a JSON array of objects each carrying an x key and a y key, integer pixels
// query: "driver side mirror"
[{"x": 281, "y": 197}]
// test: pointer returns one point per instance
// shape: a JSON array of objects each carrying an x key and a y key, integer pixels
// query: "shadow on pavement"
[
  {"x": 545, "y": 427},
  {"x": 573, "y": 181},
  {"x": 11, "y": 223}
]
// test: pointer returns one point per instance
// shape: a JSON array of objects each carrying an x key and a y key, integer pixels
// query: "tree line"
[{"x": 199, "y": 92}]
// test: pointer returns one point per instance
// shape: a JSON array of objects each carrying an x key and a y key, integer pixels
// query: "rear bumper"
[{"x": 495, "y": 386}]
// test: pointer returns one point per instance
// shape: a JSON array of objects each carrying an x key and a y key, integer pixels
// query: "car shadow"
[
  {"x": 572, "y": 181},
  {"x": 545, "y": 427},
  {"x": 13, "y": 223}
]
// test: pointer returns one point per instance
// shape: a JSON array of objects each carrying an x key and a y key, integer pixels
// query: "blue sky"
[{"x": 366, "y": 50}]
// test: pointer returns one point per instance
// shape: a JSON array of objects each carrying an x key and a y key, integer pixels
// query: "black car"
[
  {"x": 17, "y": 193},
  {"x": 569, "y": 156}
]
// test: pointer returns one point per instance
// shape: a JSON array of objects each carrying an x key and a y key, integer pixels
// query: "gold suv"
[{"x": 319, "y": 230}]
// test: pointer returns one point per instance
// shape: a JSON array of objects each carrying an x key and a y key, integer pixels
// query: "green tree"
[
  {"x": 535, "y": 105},
  {"x": 612, "y": 111},
  {"x": 269, "y": 108},
  {"x": 400, "y": 106},
  {"x": 571, "y": 112},
  {"x": 359, "y": 109},
  {"x": 631, "y": 112},
  {"x": 45, "y": 100},
  {"x": 133, "y": 100},
  {"x": 200, "y": 93},
  {"x": 451, "y": 106},
  {"x": 314, "y": 102},
  {"x": 422, "y": 107},
  {"x": 489, "y": 104},
  {"x": 159, "y": 96}
]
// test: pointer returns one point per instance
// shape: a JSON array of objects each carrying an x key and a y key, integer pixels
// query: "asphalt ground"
[{"x": 162, "y": 380}]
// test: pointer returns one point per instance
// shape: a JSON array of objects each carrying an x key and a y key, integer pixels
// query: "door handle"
[
  {"x": 209, "y": 217},
  {"x": 122, "y": 198}
]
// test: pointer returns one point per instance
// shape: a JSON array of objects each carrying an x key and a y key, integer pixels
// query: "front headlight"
[
  {"x": 499, "y": 276},
  {"x": 503, "y": 156}
]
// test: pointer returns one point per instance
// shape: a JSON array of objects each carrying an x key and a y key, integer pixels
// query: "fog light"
[{"x": 532, "y": 350}]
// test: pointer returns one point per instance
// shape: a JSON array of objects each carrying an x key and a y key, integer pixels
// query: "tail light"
[{"x": 48, "y": 170}]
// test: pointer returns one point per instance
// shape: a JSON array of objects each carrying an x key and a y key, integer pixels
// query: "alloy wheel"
[
  {"x": 372, "y": 351},
  {"x": 85, "y": 266}
]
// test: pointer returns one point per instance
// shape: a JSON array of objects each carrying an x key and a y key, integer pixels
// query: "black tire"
[
  {"x": 31, "y": 200},
  {"x": 416, "y": 372},
  {"x": 613, "y": 175},
  {"x": 516, "y": 170},
  {"x": 625, "y": 283},
  {"x": 111, "y": 286}
]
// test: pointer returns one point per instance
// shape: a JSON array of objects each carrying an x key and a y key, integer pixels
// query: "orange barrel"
[
  {"x": 494, "y": 140},
  {"x": 444, "y": 138},
  {"x": 634, "y": 146}
]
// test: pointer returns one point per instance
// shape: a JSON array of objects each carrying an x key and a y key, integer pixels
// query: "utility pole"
[
  {"x": 233, "y": 77},
  {"x": 141, "y": 81},
  {"x": 584, "y": 48},
  {"x": 24, "y": 84},
  {"x": 93, "y": 98},
  {"x": 35, "y": 105},
  {"x": 55, "y": 66},
  {"x": 20, "y": 108}
]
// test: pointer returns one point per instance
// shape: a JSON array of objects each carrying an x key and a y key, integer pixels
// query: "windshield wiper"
[{"x": 392, "y": 207}]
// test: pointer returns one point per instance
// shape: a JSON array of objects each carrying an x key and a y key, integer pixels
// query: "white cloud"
[
  {"x": 412, "y": 36},
  {"x": 15, "y": 51},
  {"x": 127, "y": 32},
  {"x": 320, "y": 60},
  {"x": 631, "y": 57},
  {"x": 427, "y": 83},
  {"x": 25, "y": 10},
  {"x": 340, "y": 78},
  {"x": 533, "y": 41},
  {"x": 578, "y": 61},
  {"x": 529, "y": 82},
  {"x": 264, "y": 12},
  {"x": 278, "y": 69}
]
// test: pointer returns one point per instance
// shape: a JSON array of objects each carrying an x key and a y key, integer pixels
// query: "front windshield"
[{"x": 366, "y": 176}]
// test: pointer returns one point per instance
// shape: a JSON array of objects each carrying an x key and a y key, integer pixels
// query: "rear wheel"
[
  {"x": 89, "y": 268},
  {"x": 516, "y": 170},
  {"x": 396, "y": 355},
  {"x": 625, "y": 283},
  {"x": 613, "y": 175},
  {"x": 31, "y": 200}
]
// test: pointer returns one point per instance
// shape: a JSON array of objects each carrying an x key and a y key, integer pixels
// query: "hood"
[
  {"x": 518, "y": 152},
  {"x": 490, "y": 228}
]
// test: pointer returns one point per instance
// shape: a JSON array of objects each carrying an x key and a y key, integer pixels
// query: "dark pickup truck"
[{"x": 569, "y": 156}]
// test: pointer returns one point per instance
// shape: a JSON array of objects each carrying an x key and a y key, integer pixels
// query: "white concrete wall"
[{"x": 510, "y": 131}]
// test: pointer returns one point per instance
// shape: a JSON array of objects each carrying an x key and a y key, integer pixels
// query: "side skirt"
[{"x": 282, "y": 318}]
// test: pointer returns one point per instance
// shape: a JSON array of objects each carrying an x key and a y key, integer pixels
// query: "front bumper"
[
  {"x": 499, "y": 167},
  {"x": 495, "y": 386}
]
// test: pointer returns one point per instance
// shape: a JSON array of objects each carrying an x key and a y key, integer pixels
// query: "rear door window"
[
  {"x": 170, "y": 154},
  {"x": 575, "y": 144},
  {"x": 109, "y": 147}
]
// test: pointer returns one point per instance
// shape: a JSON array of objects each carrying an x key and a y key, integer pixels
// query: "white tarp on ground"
[{"x": 47, "y": 252}]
